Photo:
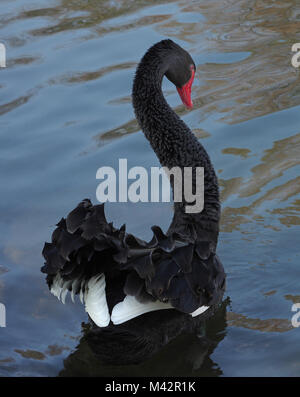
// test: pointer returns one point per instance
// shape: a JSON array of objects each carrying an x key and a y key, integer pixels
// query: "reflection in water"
[
  {"x": 283, "y": 156},
  {"x": 161, "y": 343},
  {"x": 293, "y": 298},
  {"x": 7, "y": 107},
  {"x": 244, "y": 153},
  {"x": 268, "y": 325},
  {"x": 31, "y": 354},
  {"x": 89, "y": 76},
  {"x": 125, "y": 129},
  {"x": 262, "y": 83},
  {"x": 90, "y": 14}
]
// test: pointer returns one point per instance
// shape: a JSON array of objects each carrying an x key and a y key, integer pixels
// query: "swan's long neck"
[{"x": 174, "y": 143}]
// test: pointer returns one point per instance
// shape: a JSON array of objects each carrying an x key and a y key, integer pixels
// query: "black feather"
[{"x": 179, "y": 266}]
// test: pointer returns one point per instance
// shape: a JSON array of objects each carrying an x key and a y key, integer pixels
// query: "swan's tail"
[{"x": 89, "y": 257}]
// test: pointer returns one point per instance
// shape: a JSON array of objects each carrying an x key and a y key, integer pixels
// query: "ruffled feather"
[{"x": 171, "y": 268}]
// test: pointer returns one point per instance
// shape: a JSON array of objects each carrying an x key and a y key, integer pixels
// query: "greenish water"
[{"x": 65, "y": 111}]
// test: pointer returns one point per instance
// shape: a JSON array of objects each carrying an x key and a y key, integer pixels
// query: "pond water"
[{"x": 65, "y": 111}]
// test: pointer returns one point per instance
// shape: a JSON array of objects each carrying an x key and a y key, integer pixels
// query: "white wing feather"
[
  {"x": 94, "y": 298},
  {"x": 130, "y": 308},
  {"x": 95, "y": 301}
]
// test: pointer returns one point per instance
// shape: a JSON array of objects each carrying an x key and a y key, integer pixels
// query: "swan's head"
[
  {"x": 165, "y": 58},
  {"x": 181, "y": 72}
]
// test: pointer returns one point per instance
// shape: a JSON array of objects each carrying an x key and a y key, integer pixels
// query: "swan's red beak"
[{"x": 185, "y": 92}]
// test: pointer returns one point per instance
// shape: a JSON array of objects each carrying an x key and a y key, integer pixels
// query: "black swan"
[
  {"x": 152, "y": 340},
  {"x": 119, "y": 276}
]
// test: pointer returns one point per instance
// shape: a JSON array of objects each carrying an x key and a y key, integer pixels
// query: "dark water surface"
[{"x": 65, "y": 111}]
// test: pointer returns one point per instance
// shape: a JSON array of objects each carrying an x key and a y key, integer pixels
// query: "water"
[{"x": 65, "y": 110}]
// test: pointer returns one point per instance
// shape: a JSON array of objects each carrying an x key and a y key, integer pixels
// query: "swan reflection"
[{"x": 159, "y": 343}]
